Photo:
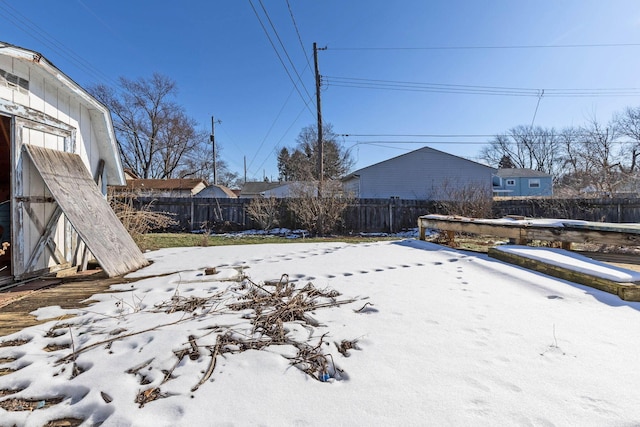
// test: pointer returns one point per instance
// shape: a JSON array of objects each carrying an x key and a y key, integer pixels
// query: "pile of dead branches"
[
  {"x": 284, "y": 303},
  {"x": 272, "y": 310}
]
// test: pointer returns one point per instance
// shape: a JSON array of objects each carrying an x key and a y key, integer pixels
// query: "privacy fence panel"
[{"x": 382, "y": 215}]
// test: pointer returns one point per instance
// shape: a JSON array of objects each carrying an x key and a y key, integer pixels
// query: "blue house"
[{"x": 522, "y": 182}]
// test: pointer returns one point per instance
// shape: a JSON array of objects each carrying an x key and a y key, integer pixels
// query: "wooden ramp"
[
  {"x": 573, "y": 267},
  {"x": 18, "y": 304},
  {"x": 73, "y": 188}
]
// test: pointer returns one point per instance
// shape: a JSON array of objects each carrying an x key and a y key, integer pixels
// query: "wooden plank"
[
  {"x": 626, "y": 291},
  {"x": 606, "y": 226},
  {"x": 70, "y": 183},
  {"x": 522, "y": 232},
  {"x": 17, "y": 304},
  {"x": 471, "y": 227}
]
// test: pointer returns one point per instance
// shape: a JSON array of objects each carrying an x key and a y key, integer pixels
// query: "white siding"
[
  {"x": 53, "y": 113},
  {"x": 32, "y": 185}
]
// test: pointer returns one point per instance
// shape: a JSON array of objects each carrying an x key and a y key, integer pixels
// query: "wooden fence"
[
  {"x": 367, "y": 215},
  {"x": 382, "y": 215}
]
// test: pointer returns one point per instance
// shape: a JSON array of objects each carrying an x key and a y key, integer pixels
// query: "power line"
[
  {"x": 29, "y": 27},
  {"x": 440, "y": 135},
  {"x": 559, "y": 46},
  {"x": 362, "y": 83},
  {"x": 281, "y": 138},
  {"x": 405, "y": 135},
  {"x": 255, "y": 154},
  {"x": 374, "y": 142},
  {"x": 298, "y": 33},
  {"x": 295, "y": 70},
  {"x": 279, "y": 56},
  {"x": 535, "y": 113}
]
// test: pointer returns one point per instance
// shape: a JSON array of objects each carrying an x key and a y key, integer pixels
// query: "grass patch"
[{"x": 153, "y": 241}]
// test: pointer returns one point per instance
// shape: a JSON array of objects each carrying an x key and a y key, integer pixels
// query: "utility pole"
[
  {"x": 319, "y": 108},
  {"x": 320, "y": 142},
  {"x": 213, "y": 150}
]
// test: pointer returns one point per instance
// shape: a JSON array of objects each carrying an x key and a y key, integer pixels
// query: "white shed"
[
  {"x": 422, "y": 174},
  {"x": 58, "y": 153}
]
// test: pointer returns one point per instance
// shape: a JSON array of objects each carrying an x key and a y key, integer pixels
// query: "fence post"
[
  {"x": 619, "y": 213},
  {"x": 192, "y": 215}
]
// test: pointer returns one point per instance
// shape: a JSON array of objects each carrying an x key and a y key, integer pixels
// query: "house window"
[
  {"x": 534, "y": 183},
  {"x": 511, "y": 183}
]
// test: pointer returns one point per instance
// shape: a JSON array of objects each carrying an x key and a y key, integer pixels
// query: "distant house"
[
  {"x": 253, "y": 189},
  {"x": 522, "y": 182},
  {"x": 423, "y": 174},
  {"x": 292, "y": 189},
  {"x": 217, "y": 192},
  {"x": 130, "y": 174},
  {"x": 164, "y": 187}
]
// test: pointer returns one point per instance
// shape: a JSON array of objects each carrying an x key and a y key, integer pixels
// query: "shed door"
[{"x": 75, "y": 191}]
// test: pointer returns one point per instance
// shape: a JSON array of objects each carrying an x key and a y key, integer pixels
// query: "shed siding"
[
  {"x": 74, "y": 133},
  {"x": 55, "y": 116},
  {"x": 33, "y": 186},
  {"x": 51, "y": 100}
]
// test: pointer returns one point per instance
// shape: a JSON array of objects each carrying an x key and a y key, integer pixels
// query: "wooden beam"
[
  {"x": 45, "y": 240},
  {"x": 35, "y": 199},
  {"x": 84, "y": 262},
  {"x": 520, "y": 233},
  {"x": 626, "y": 291}
]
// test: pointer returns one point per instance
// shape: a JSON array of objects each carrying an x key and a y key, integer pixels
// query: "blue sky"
[{"x": 225, "y": 65}]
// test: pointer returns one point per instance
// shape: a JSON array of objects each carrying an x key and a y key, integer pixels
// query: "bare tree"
[
  {"x": 526, "y": 147},
  {"x": 571, "y": 177},
  {"x": 300, "y": 163},
  {"x": 265, "y": 211},
  {"x": 600, "y": 158},
  {"x": 472, "y": 199},
  {"x": 153, "y": 132},
  {"x": 319, "y": 215},
  {"x": 198, "y": 163},
  {"x": 628, "y": 124}
]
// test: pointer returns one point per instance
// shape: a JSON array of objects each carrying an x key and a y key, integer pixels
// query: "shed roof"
[
  {"x": 212, "y": 190},
  {"x": 165, "y": 184}
]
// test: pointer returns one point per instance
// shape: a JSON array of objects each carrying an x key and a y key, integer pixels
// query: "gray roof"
[
  {"x": 521, "y": 173},
  {"x": 426, "y": 149}
]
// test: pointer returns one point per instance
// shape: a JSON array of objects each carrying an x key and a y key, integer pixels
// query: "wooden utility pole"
[
  {"x": 319, "y": 108},
  {"x": 213, "y": 150},
  {"x": 320, "y": 224}
]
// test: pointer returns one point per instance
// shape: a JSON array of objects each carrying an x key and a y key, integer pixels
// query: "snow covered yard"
[{"x": 438, "y": 337}]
